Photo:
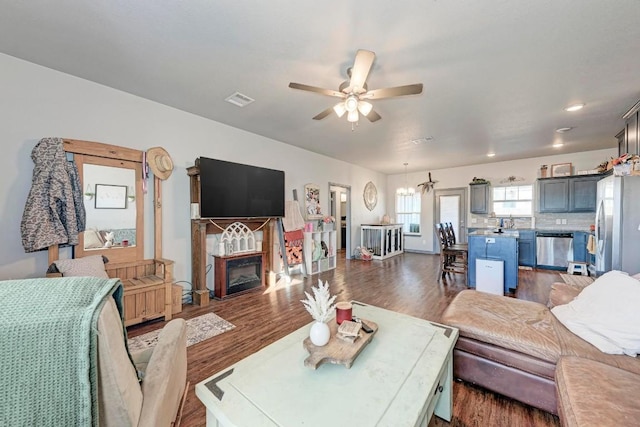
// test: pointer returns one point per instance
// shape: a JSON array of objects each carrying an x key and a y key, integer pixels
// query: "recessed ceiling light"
[
  {"x": 563, "y": 130},
  {"x": 574, "y": 107},
  {"x": 239, "y": 99},
  {"x": 491, "y": 154},
  {"x": 557, "y": 145}
]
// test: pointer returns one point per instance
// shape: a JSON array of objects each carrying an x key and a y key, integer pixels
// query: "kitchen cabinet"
[
  {"x": 622, "y": 141},
  {"x": 583, "y": 193},
  {"x": 479, "y": 197},
  {"x": 553, "y": 195},
  {"x": 580, "y": 246},
  {"x": 571, "y": 194},
  {"x": 527, "y": 248},
  {"x": 631, "y": 131}
]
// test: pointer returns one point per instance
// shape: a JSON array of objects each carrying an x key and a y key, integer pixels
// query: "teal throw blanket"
[{"x": 48, "y": 349}]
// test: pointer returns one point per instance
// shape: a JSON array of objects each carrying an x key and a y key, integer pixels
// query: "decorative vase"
[{"x": 319, "y": 334}]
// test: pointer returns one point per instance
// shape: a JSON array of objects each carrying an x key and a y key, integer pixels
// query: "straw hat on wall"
[{"x": 160, "y": 162}]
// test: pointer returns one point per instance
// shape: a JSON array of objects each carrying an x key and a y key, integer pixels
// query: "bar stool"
[{"x": 577, "y": 267}]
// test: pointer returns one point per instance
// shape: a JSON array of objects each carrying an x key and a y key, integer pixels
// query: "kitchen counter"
[{"x": 489, "y": 232}]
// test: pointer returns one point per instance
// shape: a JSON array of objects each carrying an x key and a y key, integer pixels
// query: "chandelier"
[{"x": 406, "y": 190}]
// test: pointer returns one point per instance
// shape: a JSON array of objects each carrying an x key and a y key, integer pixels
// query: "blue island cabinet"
[{"x": 504, "y": 247}]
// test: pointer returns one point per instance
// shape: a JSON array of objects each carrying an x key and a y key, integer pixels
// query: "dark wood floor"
[{"x": 405, "y": 283}]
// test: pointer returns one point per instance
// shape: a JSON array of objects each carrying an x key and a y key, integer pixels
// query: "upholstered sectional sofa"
[{"x": 523, "y": 350}]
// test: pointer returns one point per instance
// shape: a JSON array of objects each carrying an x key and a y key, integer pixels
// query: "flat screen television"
[{"x": 234, "y": 190}]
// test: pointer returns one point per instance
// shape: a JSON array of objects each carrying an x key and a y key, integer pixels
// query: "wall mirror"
[{"x": 114, "y": 205}]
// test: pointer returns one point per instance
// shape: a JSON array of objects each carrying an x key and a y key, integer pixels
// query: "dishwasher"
[{"x": 554, "y": 249}]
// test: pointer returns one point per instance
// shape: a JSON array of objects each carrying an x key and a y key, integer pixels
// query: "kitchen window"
[
  {"x": 408, "y": 212},
  {"x": 514, "y": 200}
]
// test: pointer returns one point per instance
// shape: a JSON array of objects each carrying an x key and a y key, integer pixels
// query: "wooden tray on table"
[{"x": 337, "y": 351}]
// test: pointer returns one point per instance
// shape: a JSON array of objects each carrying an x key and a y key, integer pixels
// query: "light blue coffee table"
[{"x": 401, "y": 378}]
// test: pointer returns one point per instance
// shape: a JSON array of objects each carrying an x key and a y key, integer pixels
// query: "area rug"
[{"x": 198, "y": 329}]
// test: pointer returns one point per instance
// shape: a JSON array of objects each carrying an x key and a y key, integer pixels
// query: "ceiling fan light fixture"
[
  {"x": 352, "y": 116},
  {"x": 365, "y": 107},
  {"x": 351, "y": 103},
  {"x": 340, "y": 109}
]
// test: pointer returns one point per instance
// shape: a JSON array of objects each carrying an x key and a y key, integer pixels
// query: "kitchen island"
[{"x": 490, "y": 245}]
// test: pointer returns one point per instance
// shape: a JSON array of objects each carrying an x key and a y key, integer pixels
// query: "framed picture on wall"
[
  {"x": 312, "y": 208},
  {"x": 561, "y": 169}
]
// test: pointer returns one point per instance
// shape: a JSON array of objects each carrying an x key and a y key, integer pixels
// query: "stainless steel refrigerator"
[{"x": 618, "y": 224}]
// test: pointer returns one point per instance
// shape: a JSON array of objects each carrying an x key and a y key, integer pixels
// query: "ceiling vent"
[{"x": 239, "y": 99}]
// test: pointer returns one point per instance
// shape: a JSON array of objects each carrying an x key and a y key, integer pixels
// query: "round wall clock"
[{"x": 370, "y": 195}]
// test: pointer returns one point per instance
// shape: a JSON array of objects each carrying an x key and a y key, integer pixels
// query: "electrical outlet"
[
  {"x": 490, "y": 240},
  {"x": 486, "y": 221},
  {"x": 424, "y": 242},
  {"x": 564, "y": 221},
  {"x": 473, "y": 220},
  {"x": 558, "y": 221}
]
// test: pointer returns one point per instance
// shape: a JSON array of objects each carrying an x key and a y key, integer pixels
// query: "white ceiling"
[{"x": 497, "y": 73}]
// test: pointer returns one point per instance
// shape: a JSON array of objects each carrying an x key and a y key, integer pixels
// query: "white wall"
[
  {"x": 494, "y": 172},
  {"x": 37, "y": 102}
]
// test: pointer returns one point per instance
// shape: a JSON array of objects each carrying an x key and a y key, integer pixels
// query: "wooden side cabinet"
[{"x": 479, "y": 198}]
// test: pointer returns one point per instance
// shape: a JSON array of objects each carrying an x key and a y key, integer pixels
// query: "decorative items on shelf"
[
  {"x": 237, "y": 238},
  {"x": 477, "y": 180},
  {"x": 328, "y": 223},
  {"x": 321, "y": 307},
  {"x": 626, "y": 164},
  {"x": 543, "y": 171},
  {"x": 561, "y": 169}
]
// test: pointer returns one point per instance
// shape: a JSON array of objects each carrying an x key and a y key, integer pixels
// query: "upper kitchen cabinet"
[
  {"x": 631, "y": 143},
  {"x": 583, "y": 193},
  {"x": 479, "y": 196},
  {"x": 553, "y": 195},
  {"x": 571, "y": 194}
]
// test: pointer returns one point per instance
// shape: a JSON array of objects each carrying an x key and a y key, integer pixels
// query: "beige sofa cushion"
[
  {"x": 523, "y": 326},
  {"x": 562, "y": 293},
  {"x": 591, "y": 393},
  {"x": 119, "y": 393}
]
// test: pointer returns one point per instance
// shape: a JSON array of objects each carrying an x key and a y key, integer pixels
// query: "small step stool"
[{"x": 577, "y": 267}]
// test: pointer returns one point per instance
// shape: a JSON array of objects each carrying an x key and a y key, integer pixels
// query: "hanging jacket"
[{"x": 54, "y": 211}]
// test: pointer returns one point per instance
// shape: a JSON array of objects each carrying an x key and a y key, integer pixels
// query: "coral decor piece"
[{"x": 320, "y": 306}]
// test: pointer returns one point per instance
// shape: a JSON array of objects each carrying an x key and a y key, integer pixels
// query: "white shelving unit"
[
  {"x": 319, "y": 258},
  {"x": 384, "y": 240}
]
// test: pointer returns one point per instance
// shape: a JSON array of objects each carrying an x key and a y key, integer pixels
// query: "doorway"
[
  {"x": 340, "y": 209},
  {"x": 451, "y": 206}
]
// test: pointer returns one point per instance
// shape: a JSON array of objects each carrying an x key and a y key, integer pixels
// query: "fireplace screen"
[{"x": 244, "y": 273}]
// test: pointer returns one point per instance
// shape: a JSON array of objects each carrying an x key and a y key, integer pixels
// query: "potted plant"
[{"x": 321, "y": 307}]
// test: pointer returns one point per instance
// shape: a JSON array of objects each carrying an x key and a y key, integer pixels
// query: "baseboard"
[{"x": 416, "y": 251}]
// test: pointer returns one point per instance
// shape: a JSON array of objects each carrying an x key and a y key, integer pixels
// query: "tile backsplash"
[{"x": 541, "y": 221}]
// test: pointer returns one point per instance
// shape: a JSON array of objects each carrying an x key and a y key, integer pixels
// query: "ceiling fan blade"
[
  {"x": 373, "y": 116},
  {"x": 360, "y": 71},
  {"x": 319, "y": 90},
  {"x": 390, "y": 92},
  {"x": 323, "y": 114}
]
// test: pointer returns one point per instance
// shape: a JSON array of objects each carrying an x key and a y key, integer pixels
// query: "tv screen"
[{"x": 234, "y": 190}]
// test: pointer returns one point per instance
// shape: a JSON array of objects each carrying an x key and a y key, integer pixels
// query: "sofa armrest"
[{"x": 165, "y": 376}]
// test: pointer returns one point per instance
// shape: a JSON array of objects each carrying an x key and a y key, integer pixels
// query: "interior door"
[{"x": 451, "y": 206}]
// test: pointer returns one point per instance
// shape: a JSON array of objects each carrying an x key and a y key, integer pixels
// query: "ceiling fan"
[{"x": 354, "y": 93}]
